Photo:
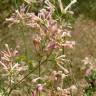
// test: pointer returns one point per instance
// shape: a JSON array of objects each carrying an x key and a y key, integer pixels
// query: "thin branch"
[{"x": 27, "y": 75}]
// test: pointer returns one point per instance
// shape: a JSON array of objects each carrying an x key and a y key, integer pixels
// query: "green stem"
[{"x": 27, "y": 75}]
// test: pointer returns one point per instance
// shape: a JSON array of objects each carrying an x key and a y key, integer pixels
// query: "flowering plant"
[{"x": 49, "y": 69}]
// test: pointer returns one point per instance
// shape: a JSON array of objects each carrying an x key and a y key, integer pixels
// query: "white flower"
[
  {"x": 35, "y": 80},
  {"x": 59, "y": 89},
  {"x": 64, "y": 34},
  {"x": 64, "y": 75},
  {"x": 69, "y": 6},
  {"x": 86, "y": 61},
  {"x": 69, "y": 44},
  {"x": 73, "y": 89}
]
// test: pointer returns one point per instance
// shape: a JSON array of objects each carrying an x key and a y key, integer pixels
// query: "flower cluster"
[{"x": 48, "y": 43}]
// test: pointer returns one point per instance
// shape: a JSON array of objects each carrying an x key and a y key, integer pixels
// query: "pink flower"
[
  {"x": 88, "y": 71},
  {"x": 39, "y": 87},
  {"x": 51, "y": 45}
]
